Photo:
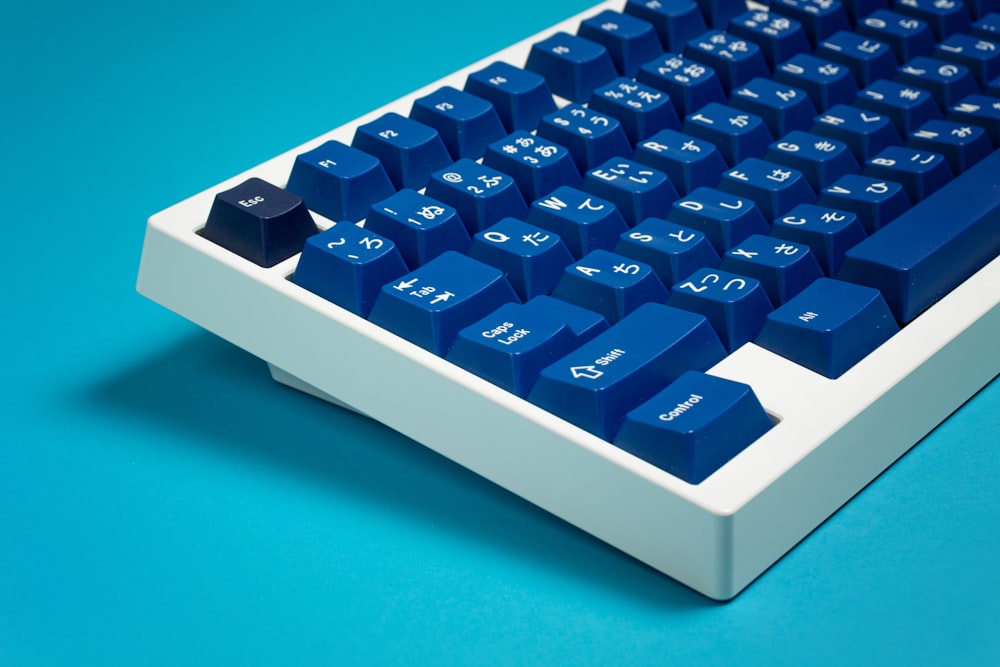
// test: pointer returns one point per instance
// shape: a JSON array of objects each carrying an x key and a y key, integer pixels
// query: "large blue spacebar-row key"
[{"x": 926, "y": 252}]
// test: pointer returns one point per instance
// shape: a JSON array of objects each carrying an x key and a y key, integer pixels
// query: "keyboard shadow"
[{"x": 205, "y": 390}]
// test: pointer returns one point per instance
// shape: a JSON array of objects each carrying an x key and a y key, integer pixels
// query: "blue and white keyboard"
[{"x": 686, "y": 274}]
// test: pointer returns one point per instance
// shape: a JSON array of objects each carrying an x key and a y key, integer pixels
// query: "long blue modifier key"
[{"x": 927, "y": 251}]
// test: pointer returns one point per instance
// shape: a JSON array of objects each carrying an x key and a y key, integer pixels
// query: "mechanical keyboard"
[{"x": 688, "y": 275}]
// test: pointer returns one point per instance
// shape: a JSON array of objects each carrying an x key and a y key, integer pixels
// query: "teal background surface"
[{"x": 163, "y": 502}]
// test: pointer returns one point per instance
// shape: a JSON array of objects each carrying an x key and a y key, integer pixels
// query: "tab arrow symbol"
[
  {"x": 444, "y": 296},
  {"x": 588, "y": 372},
  {"x": 405, "y": 285}
]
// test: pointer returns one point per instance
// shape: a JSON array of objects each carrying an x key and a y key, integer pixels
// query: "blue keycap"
[
  {"x": 689, "y": 84},
  {"x": 925, "y": 253},
  {"x": 520, "y": 97},
  {"x": 865, "y": 132},
  {"x": 724, "y": 218},
  {"x": 532, "y": 258},
  {"x": 829, "y": 327},
  {"x": 643, "y": 111},
  {"x": 339, "y": 182},
  {"x": 961, "y": 145},
  {"x": 981, "y": 56},
  {"x": 908, "y": 37},
  {"x": 819, "y": 18},
  {"x": 689, "y": 162},
  {"x": 718, "y": 13},
  {"x": 583, "y": 221},
  {"x": 430, "y": 305},
  {"x": 609, "y": 284},
  {"x": 571, "y": 65},
  {"x": 510, "y": 346},
  {"x": 984, "y": 10},
  {"x": 630, "y": 41},
  {"x": 907, "y": 107},
  {"x": 260, "y": 222},
  {"x": 409, "y": 151},
  {"x": 980, "y": 110},
  {"x": 638, "y": 191},
  {"x": 466, "y": 123},
  {"x": 778, "y": 37},
  {"x": 673, "y": 252},
  {"x": 783, "y": 108},
  {"x": 783, "y": 268},
  {"x": 348, "y": 265},
  {"x": 773, "y": 187},
  {"x": 828, "y": 232},
  {"x": 876, "y": 202},
  {"x": 694, "y": 426},
  {"x": 920, "y": 173},
  {"x": 826, "y": 83},
  {"x": 987, "y": 27},
  {"x": 947, "y": 82},
  {"x": 590, "y": 137},
  {"x": 675, "y": 21},
  {"x": 735, "y": 305},
  {"x": 858, "y": 9},
  {"x": 868, "y": 59},
  {"x": 734, "y": 59},
  {"x": 421, "y": 227},
  {"x": 595, "y": 386},
  {"x": 481, "y": 195},
  {"x": 538, "y": 166},
  {"x": 821, "y": 160},
  {"x": 945, "y": 17},
  {"x": 737, "y": 134}
]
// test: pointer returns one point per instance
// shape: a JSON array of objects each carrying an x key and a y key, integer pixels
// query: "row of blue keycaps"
[{"x": 727, "y": 266}]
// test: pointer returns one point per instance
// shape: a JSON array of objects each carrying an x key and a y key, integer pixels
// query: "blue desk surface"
[{"x": 163, "y": 502}]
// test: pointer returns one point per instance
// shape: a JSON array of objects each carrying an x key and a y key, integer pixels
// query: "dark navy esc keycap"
[{"x": 259, "y": 222}]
